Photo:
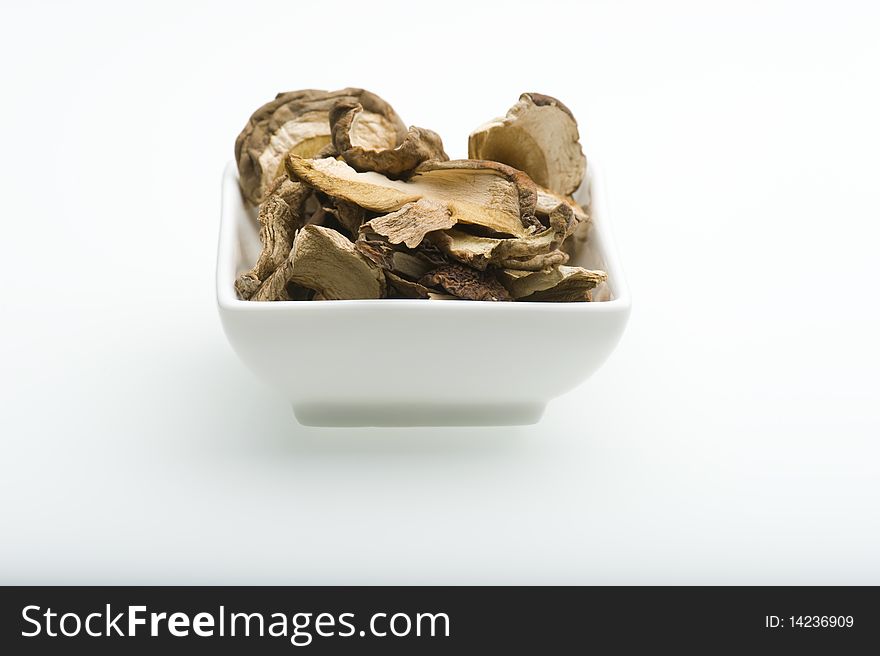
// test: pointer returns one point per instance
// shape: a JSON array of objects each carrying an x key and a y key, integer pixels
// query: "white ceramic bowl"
[{"x": 407, "y": 362}]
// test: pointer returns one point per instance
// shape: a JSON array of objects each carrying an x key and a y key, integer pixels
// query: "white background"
[{"x": 731, "y": 438}]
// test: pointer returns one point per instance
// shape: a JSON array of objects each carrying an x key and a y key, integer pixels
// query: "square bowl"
[{"x": 413, "y": 362}]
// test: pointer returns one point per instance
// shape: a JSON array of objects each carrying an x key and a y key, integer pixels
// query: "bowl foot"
[{"x": 417, "y": 414}]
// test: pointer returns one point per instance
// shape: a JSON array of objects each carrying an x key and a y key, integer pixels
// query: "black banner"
[{"x": 445, "y": 620}]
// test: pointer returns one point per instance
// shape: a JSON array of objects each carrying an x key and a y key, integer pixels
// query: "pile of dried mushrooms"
[{"x": 355, "y": 205}]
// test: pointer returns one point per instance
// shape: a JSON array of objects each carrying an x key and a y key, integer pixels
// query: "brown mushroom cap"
[
  {"x": 419, "y": 145},
  {"x": 538, "y": 136},
  {"x": 298, "y": 122}
]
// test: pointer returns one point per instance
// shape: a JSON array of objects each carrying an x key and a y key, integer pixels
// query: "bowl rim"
[{"x": 229, "y": 302}]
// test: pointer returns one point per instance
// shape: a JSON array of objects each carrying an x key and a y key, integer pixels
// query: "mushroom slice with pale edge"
[
  {"x": 561, "y": 283},
  {"x": 532, "y": 252},
  {"x": 413, "y": 265},
  {"x": 412, "y": 222},
  {"x": 299, "y": 122},
  {"x": 419, "y": 145},
  {"x": 324, "y": 260},
  {"x": 540, "y": 262},
  {"x": 547, "y": 201},
  {"x": 455, "y": 172},
  {"x": 538, "y": 136},
  {"x": 486, "y": 194},
  {"x": 479, "y": 252},
  {"x": 399, "y": 286},
  {"x": 281, "y": 214}
]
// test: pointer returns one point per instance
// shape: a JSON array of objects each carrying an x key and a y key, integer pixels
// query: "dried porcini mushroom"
[
  {"x": 560, "y": 283},
  {"x": 400, "y": 287},
  {"x": 539, "y": 262},
  {"x": 280, "y": 216},
  {"x": 465, "y": 282},
  {"x": 277, "y": 287},
  {"x": 547, "y": 201},
  {"x": 538, "y": 136},
  {"x": 299, "y": 122},
  {"x": 324, "y": 260},
  {"x": 471, "y": 172},
  {"x": 419, "y": 145},
  {"x": 352, "y": 205},
  {"x": 349, "y": 215},
  {"x": 532, "y": 252},
  {"x": 412, "y": 222},
  {"x": 485, "y": 194}
]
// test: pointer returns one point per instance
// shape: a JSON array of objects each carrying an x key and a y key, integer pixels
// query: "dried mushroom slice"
[
  {"x": 411, "y": 264},
  {"x": 532, "y": 252},
  {"x": 455, "y": 172},
  {"x": 412, "y": 222},
  {"x": 481, "y": 252},
  {"x": 298, "y": 122},
  {"x": 277, "y": 287},
  {"x": 485, "y": 194},
  {"x": 539, "y": 136},
  {"x": 465, "y": 282},
  {"x": 349, "y": 215},
  {"x": 280, "y": 216},
  {"x": 399, "y": 287},
  {"x": 378, "y": 252},
  {"x": 577, "y": 239},
  {"x": 419, "y": 145},
  {"x": 561, "y": 284},
  {"x": 472, "y": 250},
  {"x": 324, "y": 260},
  {"x": 540, "y": 262},
  {"x": 547, "y": 201}
]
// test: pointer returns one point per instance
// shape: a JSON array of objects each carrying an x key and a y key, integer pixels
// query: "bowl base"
[{"x": 417, "y": 414}]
